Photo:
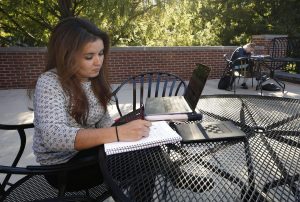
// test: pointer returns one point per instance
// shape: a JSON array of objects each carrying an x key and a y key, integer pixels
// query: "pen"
[{"x": 142, "y": 112}]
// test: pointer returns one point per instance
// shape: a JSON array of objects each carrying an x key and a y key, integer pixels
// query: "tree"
[
  {"x": 152, "y": 22},
  {"x": 236, "y": 21},
  {"x": 28, "y": 23},
  {"x": 279, "y": 16}
]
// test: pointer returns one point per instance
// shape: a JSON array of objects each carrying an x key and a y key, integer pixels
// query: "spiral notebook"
[{"x": 160, "y": 133}]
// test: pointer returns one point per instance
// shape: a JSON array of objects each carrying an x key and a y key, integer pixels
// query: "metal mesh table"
[{"x": 265, "y": 166}]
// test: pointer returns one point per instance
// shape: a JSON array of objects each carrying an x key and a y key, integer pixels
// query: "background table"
[
  {"x": 263, "y": 167},
  {"x": 272, "y": 64}
]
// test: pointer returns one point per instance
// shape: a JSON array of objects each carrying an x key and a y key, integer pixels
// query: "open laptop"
[
  {"x": 209, "y": 131},
  {"x": 179, "y": 104}
]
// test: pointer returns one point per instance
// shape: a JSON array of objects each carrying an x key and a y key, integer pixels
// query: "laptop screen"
[{"x": 196, "y": 85}]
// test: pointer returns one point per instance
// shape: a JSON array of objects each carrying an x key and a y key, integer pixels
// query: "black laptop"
[
  {"x": 180, "y": 104},
  {"x": 209, "y": 131}
]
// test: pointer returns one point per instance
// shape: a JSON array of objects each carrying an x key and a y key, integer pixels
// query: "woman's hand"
[{"x": 134, "y": 130}]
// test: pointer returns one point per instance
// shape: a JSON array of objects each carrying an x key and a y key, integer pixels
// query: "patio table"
[
  {"x": 269, "y": 62},
  {"x": 265, "y": 166}
]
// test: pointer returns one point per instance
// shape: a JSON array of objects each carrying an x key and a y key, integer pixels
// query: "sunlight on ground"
[{"x": 16, "y": 118}]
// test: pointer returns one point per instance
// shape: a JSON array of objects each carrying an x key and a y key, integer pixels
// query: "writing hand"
[{"x": 134, "y": 130}]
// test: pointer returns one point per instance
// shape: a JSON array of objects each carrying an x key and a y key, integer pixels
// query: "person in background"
[
  {"x": 244, "y": 64},
  {"x": 70, "y": 103}
]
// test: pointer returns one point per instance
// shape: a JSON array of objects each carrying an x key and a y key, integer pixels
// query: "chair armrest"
[
  {"x": 42, "y": 169},
  {"x": 13, "y": 170},
  {"x": 16, "y": 127},
  {"x": 227, "y": 59},
  {"x": 134, "y": 115}
]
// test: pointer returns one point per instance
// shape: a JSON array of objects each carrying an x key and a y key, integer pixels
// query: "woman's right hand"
[{"x": 134, "y": 130}]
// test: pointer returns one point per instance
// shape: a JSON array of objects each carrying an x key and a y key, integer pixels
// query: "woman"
[{"x": 70, "y": 102}]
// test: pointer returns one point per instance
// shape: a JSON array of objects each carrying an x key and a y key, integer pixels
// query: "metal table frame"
[
  {"x": 269, "y": 62},
  {"x": 266, "y": 139}
]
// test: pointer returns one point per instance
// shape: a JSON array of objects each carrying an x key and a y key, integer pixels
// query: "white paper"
[{"x": 160, "y": 133}]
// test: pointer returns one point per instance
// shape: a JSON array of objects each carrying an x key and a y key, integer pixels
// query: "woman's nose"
[{"x": 97, "y": 60}]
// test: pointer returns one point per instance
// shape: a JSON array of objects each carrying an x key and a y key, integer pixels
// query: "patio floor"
[{"x": 14, "y": 109}]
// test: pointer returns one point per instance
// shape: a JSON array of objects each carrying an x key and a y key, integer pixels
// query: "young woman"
[{"x": 70, "y": 102}]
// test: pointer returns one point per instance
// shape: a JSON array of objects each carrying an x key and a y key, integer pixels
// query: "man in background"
[{"x": 240, "y": 60}]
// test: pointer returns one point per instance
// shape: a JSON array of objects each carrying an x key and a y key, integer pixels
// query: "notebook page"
[{"x": 160, "y": 133}]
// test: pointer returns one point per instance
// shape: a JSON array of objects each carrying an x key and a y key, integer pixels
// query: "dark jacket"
[{"x": 240, "y": 52}]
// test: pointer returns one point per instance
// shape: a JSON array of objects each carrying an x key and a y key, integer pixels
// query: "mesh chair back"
[
  {"x": 151, "y": 84},
  {"x": 279, "y": 49},
  {"x": 293, "y": 49},
  {"x": 283, "y": 47}
]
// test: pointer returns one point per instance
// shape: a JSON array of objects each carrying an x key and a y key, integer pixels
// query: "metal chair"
[
  {"x": 236, "y": 73},
  {"x": 150, "y": 84},
  {"x": 283, "y": 50},
  {"x": 32, "y": 185}
]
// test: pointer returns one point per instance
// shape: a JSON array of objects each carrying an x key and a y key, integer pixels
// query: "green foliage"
[
  {"x": 236, "y": 21},
  {"x": 21, "y": 22},
  {"x": 293, "y": 68},
  {"x": 152, "y": 22},
  {"x": 117, "y": 17}
]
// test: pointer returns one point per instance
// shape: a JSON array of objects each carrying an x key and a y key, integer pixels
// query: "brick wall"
[
  {"x": 19, "y": 67},
  {"x": 177, "y": 60}
]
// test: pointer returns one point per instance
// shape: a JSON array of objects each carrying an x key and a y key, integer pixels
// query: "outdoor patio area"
[
  {"x": 149, "y": 101},
  {"x": 14, "y": 105}
]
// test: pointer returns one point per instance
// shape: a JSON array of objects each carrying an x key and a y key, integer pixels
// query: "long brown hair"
[{"x": 68, "y": 37}]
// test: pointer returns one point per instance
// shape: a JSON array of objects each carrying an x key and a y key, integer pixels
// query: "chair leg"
[
  {"x": 1, "y": 191},
  {"x": 62, "y": 184},
  {"x": 62, "y": 190},
  {"x": 104, "y": 196},
  {"x": 280, "y": 83},
  {"x": 87, "y": 192},
  {"x": 234, "y": 86},
  {"x": 233, "y": 77},
  {"x": 260, "y": 84},
  {"x": 252, "y": 75},
  {"x": 240, "y": 73}
]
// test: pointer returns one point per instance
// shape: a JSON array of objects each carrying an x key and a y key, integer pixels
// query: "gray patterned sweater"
[{"x": 55, "y": 129}]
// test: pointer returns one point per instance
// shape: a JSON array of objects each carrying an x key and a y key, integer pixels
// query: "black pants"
[{"x": 82, "y": 178}]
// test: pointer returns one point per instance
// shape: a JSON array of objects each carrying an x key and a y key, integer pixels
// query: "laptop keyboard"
[{"x": 175, "y": 104}]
